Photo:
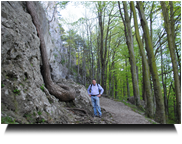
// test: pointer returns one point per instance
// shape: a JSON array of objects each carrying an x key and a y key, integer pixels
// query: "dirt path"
[{"x": 121, "y": 113}]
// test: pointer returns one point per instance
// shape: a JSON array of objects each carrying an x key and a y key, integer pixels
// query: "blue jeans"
[{"x": 96, "y": 105}]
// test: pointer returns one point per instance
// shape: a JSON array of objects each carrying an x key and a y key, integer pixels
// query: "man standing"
[{"x": 94, "y": 94}]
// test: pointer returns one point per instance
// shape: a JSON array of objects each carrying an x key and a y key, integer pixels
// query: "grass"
[
  {"x": 151, "y": 121},
  {"x": 171, "y": 121}
]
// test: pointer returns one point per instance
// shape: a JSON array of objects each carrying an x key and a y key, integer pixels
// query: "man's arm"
[
  {"x": 101, "y": 89},
  {"x": 88, "y": 90}
]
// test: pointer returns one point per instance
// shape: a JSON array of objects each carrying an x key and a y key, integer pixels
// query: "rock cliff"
[{"x": 24, "y": 99}]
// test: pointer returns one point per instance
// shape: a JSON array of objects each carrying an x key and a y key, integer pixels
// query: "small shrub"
[
  {"x": 39, "y": 112},
  {"x": 16, "y": 91},
  {"x": 42, "y": 87},
  {"x": 43, "y": 120}
]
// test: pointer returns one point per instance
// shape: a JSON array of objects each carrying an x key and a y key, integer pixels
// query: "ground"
[{"x": 121, "y": 113}]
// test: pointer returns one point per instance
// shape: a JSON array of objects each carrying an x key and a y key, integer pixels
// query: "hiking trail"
[{"x": 121, "y": 113}]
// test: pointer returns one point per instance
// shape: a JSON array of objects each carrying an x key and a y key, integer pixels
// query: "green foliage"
[
  {"x": 7, "y": 120},
  {"x": 42, "y": 121},
  {"x": 16, "y": 91},
  {"x": 39, "y": 112},
  {"x": 28, "y": 116},
  {"x": 62, "y": 61},
  {"x": 42, "y": 87}
]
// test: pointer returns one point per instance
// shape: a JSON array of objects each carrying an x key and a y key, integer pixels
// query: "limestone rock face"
[
  {"x": 57, "y": 53},
  {"x": 23, "y": 96}
]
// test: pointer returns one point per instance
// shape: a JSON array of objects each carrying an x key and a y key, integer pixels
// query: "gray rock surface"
[
  {"x": 23, "y": 96},
  {"x": 57, "y": 52}
]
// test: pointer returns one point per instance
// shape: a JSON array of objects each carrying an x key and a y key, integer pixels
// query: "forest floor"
[{"x": 123, "y": 114}]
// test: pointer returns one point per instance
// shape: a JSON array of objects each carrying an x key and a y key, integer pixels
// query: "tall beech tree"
[
  {"x": 170, "y": 37},
  {"x": 129, "y": 42},
  {"x": 160, "y": 113}
]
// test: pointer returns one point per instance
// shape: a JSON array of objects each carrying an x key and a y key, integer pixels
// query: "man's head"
[{"x": 93, "y": 82}]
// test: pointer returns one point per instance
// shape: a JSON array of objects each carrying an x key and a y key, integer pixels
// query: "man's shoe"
[{"x": 99, "y": 116}]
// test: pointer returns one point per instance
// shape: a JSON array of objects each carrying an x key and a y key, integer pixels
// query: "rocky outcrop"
[
  {"x": 132, "y": 101},
  {"x": 23, "y": 95}
]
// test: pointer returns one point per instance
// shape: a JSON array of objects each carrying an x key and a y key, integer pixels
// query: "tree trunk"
[
  {"x": 146, "y": 76},
  {"x": 110, "y": 78},
  {"x": 137, "y": 72},
  {"x": 78, "y": 64},
  {"x": 164, "y": 85},
  {"x": 101, "y": 26},
  {"x": 98, "y": 61},
  {"x": 129, "y": 42},
  {"x": 113, "y": 85},
  {"x": 116, "y": 86},
  {"x": 144, "y": 96},
  {"x": 173, "y": 58},
  {"x": 151, "y": 13},
  {"x": 62, "y": 92},
  {"x": 69, "y": 60},
  {"x": 127, "y": 82},
  {"x": 160, "y": 113}
]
